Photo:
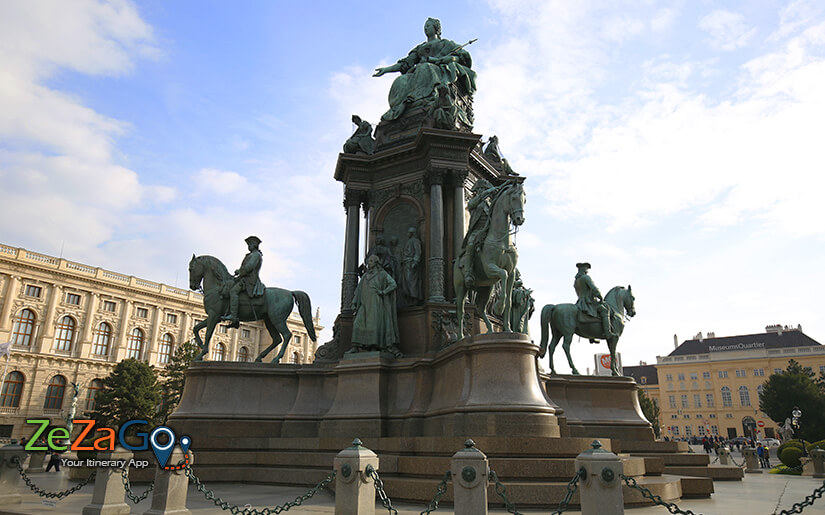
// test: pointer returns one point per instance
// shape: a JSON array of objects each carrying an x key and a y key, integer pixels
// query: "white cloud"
[
  {"x": 727, "y": 30},
  {"x": 209, "y": 180}
]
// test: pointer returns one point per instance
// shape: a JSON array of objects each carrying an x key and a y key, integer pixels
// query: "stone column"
[
  {"x": 47, "y": 334},
  {"x": 751, "y": 461},
  {"x": 9, "y": 476},
  {"x": 108, "y": 497},
  {"x": 352, "y": 203},
  {"x": 184, "y": 328},
  {"x": 83, "y": 346},
  {"x": 150, "y": 352},
  {"x": 121, "y": 343},
  {"x": 169, "y": 495},
  {"x": 600, "y": 490},
  {"x": 354, "y": 491},
  {"x": 233, "y": 344},
  {"x": 6, "y": 315},
  {"x": 459, "y": 176},
  {"x": 435, "y": 177},
  {"x": 470, "y": 472}
]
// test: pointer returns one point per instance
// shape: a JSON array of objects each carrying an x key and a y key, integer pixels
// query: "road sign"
[{"x": 760, "y": 424}]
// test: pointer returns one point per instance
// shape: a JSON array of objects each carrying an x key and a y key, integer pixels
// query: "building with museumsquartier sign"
[{"x": 72, "y": 323}]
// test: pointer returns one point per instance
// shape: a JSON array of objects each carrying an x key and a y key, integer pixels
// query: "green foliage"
[
  {"x": 782, "y": 469},
  {"x": 790, "y": 443},
  {"x": 129, "y": 392},
  {"x": 820, "y": 444},
  {"x": 650, "y": 410},
  {"x": 789, "y": 456},
  {"x": 173, "y": 377},
  {"x": 796, "y": 386}
]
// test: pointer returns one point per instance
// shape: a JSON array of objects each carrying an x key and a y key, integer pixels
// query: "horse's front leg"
[
  {"x": 614, "y": 366},
  {"x": 211, "y": 322},
  {"x": 200, "y": 325},
  {"x": 568, "y": 339},
  {"x": 553, "y": 343}
]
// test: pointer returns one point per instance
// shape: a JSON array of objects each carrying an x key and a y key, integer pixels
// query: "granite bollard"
[
  {"x": 818, "y": 458},
  {"x": 108, "y": 497},
  {"x": 470, "y": 473},
  {"x": 354, "y": 491},
  {"x": 600, "y": 489},
  {"x": 9, "y": 476},
  {"x": 751, "y": 461},
  {"x": 171, "y": 486},
  {"x": 724, "y": 456}
]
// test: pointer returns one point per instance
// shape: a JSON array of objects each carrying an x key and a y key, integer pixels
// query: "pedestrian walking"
[{"x": 760, "y": 452}]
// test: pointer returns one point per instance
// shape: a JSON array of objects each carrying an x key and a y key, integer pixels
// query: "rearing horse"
[
  {"x": 496, "y": 261},
  {"x": 564, "y": 321},
  {"x": 273, "y": 307}
]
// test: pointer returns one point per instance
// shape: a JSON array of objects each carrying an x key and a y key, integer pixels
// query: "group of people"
[{"x": 714, "y": 443}]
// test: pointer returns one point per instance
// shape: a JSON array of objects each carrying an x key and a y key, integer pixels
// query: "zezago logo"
[{"x": 107, "y": 441}]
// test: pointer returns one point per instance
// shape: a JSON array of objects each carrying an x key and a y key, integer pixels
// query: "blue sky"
[{"x": 676, "y": 146}]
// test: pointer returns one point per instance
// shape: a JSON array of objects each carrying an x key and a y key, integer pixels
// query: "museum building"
[
  {"x": 710, "y": 385},
  {"x": 72, "y": 323}
]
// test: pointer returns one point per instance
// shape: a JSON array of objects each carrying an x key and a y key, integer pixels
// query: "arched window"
[
  {"x": 744, "y": 396},
  {"x": 95, "y": 386},
  {"x": 103, "y": 335},
  {"x": 23, "y": 328},
  {"x": 727, "y": 400},
  {"x": 135, "y": 347},
  {"x": 296, "y": 358},
  {"x": 243, "y": 354},
  {"x": 219, "y": 352},
  {"x": 54, "y": 393},
  {"x": 167, "y": 342},
  {"x": 12, "y": 390},
  {"x": 65, "y": 334}
]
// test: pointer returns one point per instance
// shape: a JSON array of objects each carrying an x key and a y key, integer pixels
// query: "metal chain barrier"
[
  {"x": 127, "y": 485},
  {"x": 572, "y": 486},
  {"x": 714, "y": 460},
  {"x": 501, "y": 490},
  {"x": 647, "y": 494},
  {"x": 50, "y": 495},
  {"x": 440, "y": 490},
  {"x": 809, "y": 500},
  {"x": 379, "y": 487},
  {"x": 741, "y": 465},
  {"x": 246, "y": 510}
]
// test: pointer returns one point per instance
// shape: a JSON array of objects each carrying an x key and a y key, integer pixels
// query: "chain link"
[
  {"x": 379, "y": 487},
  {"x": 501, "y": 490},
  {"x": 440, "y": 490},
  {"x": 572, "y": 486},
  {"x": 809, "y": 500},
  {"x": 246, "y": 509},
  {"x": 127, "y": 485},
  {"x": 50, "y": 495},
  {"x": 647, "y": 494}
]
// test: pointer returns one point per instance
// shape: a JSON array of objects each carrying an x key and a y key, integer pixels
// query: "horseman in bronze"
[
  {"x": 590, "y": 300},
  {"x": 246, "y": 279}
]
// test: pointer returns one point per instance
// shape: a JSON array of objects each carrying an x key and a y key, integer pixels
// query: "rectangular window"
[
  {"x": 142, "y": 313},
  {"x": 701, "y": 430},
  {"x": 697, "y": 400},
  {"x": 223, "y": 329},
  {"x": 705, "y": 375},
  {"x": 171, "y": 318},
  {"x": 728, "y": 415},
  {"x": 108, "y": 305},
  {"x": 246, "y": 333},
  {"x": 72, "y": 298},
  {"x": 694, "y": 375},
  {"x": 777, "y": 371},
  {"x": 669, "y": 377},
  {"x": 698, "y": 415},
  {"x": 759, "y": 372},
  {"x": 688, "y": 431},
  {"x": 674, "y": 416},
  {"x": 686, "y": 415},
  {"x": 675, "y": 431},
  {"x": 712, "y": 415},
  {"x": 684, "y": 401},
  {"x": 714, "y": 430},
  {"x": 723, "y": 374},
  {"x": 822, "y": 369},
  {"x": 681, "y": 377},
  {"x": 740, "y": 373},
  {"x": 709, "y": 400},
  {"x": 33, "y": 291},
  {"x": 672, "y": 400}
]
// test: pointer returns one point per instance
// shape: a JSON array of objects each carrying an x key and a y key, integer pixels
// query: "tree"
[
  {"x": 130, "y": 392},
  {"x": 796, "y": 386},
  {"x": 173, "y": 377},
  {"x": 650, "y": 410}
]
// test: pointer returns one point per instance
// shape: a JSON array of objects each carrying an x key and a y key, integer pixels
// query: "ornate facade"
[{"x": 72, "y": 323}]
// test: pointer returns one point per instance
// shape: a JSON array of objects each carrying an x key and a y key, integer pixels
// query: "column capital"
[
  {"x": 436, "y": 175},
  {"x": 353, "y": 197},
  {"x": 458, "y": 177}
]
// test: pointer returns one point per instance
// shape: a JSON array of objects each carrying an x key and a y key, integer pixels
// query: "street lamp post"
[{"x": 796, "y": 413}]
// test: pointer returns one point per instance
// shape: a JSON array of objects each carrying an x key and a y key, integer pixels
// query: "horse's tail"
[
  {"x": 305, "y": 310},
  {"x": 546, "y": 313}
]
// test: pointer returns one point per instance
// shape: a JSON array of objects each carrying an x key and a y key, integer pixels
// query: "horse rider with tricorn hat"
[
  {"x": 590, "y": 299},
  {"x": 246, "y": 279}
]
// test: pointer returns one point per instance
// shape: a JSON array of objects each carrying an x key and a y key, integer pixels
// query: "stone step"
[
  {"x": 715, "y": 472},
  {"x": 678, "y": 459}
]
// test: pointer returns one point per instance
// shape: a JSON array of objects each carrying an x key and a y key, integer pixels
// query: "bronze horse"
[
  {"x": 274, "y": 307},
  {"x": 496, "y": 261},
  {"x": 564, "y": 321}
]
